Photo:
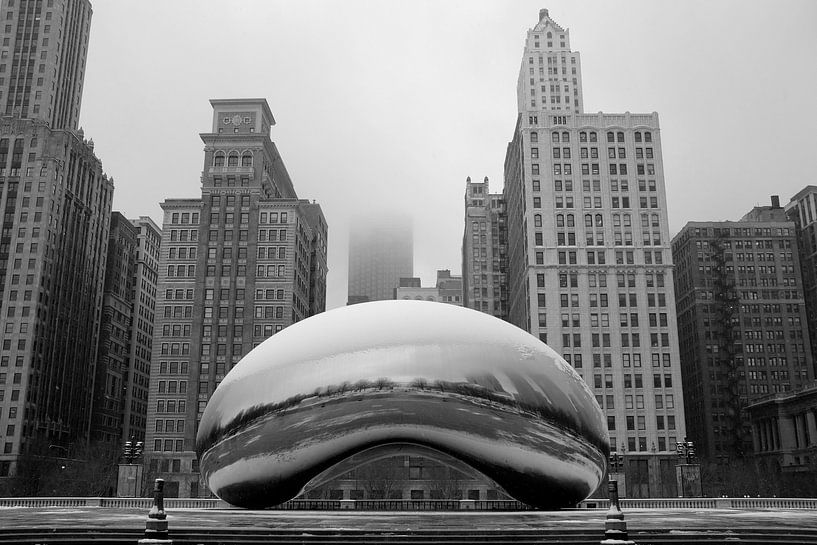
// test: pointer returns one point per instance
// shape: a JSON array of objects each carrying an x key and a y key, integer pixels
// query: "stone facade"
[
  {"x": 45, "y": 45},
  {"x": 742, "y": 324},
  {"x": 589, "y": 264},
  {"x": 237, "y": 265},
  {"x": 56, "y": 205}
]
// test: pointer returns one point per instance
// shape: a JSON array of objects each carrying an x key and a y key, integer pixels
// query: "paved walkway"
[{"x": 637, "y": 519}]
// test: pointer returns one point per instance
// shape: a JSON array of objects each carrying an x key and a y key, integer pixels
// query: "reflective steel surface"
[{"x": 394, "y": 372}]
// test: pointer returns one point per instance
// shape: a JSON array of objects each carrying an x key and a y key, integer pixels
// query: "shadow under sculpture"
[{"x": 402, "y": 372}]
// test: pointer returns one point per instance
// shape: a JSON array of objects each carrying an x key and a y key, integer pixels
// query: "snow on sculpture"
[{"x": 402, "y": 372}]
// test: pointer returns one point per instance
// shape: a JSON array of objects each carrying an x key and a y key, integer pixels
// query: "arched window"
[
  {"x": 246, "y": 159},
  {"x": 611, "y": 137},
  {"x": 232, "y": 159},
  {"x": 565, "y": 137},
  {"x": 588, "y": 220},
  {"x": 218, "y": 159},
  {"x": 599, "y": 220},
  {"x": 534, "y": 136},
  {"x": 554, "y": 136},
  {"x": 570, "y": 221},
  {"x": 655, "y": 220},
  {"x": 429, "y": 298},
  {"x": 582, "y": 136},
  {"x": 647, "y": 136},
  {"x": 593, "y": 136},
  {"x": 560, "y": 221},
  {"x": 550, "y": 35},
  {"x": 537, "y": 220},
  {"x": 620, "y": 136},
  {"x": 638, "y": 136}
]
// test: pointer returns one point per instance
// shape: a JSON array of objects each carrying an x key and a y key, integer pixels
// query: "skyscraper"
[
  {"x": 589, "y": 263},
  {"x": 55, "y": 203},
  {"x": 485, "y": 250},
  {"x": 802, "y": 210},
  {"x": 45, "y": 45},
  {"x": 237, "y": 265},
  {"x": 381, "y": 252},
  {"x": 742, "y": 323},
  {"x": 126, "y": 331}
]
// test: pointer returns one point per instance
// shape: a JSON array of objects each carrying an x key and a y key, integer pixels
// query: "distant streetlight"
[
  {"x": 685, "y": 449},
  {"x": 132, "y": 450}
]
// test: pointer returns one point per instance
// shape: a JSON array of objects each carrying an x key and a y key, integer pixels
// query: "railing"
[{"x": 417, "y": 505}]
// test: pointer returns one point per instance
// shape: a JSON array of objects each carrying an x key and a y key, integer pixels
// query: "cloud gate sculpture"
[{"x": 437, "y": 376}]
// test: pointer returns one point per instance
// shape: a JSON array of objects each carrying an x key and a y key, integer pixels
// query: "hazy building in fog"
[
  {"x": 589, "y": 264},
  {"x": 381, "y": 252},
  {"x": 742, "y": 324},
  {"x": 238, "y": 264},
  {"x": 485, "y": 250}
]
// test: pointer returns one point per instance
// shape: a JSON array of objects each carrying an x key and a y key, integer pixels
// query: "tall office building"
[
  {"x": 381, "y": 252},
  {"x": 55, "y": 203},
  {"x": 485, "y": 250},
  {"x": 742, "y": 324},
  {"x": 114, "y": 335},
  {"x": 589, "y": 263},
  {"x": 126, "y": 332},
  {"x": 237, "y": 265},
  {"x": 42, "y": 60},
  {"x": 802, "y": 211}
]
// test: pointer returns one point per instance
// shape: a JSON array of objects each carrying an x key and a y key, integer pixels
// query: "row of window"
[{"x": 598, "y": 257}]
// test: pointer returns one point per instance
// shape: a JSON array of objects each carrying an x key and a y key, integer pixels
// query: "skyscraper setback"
[
  {"x": 238, "y": 264},
  {"x": 45, "y": 45},
  {"x": 589, "y": 264}
]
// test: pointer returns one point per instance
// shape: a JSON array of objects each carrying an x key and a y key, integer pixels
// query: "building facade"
[
  {"x": 45, "y": 45},
  {"x": 237, "y": 265},
  {"x": 56, "y": 204},
  {"x": 114, "y": 336},
  {"x": 381, "y": 252},
  {"x": 484, "y": 250},
  {"x": 784, "y": 437},
  {"x": 448, "y": 289},
  {"x": 742, "y": 324},
  {"x": 589, "y": 265},
  {"x": 143, "y": 297},
  {"x": 802, "y": 211},
  {"x": 126, "y": 331}
]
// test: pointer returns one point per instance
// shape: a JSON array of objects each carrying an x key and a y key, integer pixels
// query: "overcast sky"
[{"x": 384, "y": 104}]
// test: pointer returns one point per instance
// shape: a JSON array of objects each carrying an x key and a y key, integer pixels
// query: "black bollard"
[
  {"x": 156, "y": 524},
  {"x": 615, "y": 529}
]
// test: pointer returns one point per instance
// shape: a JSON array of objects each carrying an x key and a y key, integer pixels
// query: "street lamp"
[
  {"x": 685, "y": 449},
  {"x": 132, "y": 450},
  {"x": 616, "y": 462}
]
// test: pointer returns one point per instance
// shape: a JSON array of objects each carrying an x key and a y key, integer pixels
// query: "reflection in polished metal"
[{"x": 402, "y": 372}]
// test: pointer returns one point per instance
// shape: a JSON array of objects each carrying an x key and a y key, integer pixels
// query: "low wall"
[{"x": 419, "y": 505}]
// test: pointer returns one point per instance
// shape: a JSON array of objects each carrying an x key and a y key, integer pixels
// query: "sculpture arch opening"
[
  {"x": 403, "y": 372},
  {"x": 403, "y": 471}
]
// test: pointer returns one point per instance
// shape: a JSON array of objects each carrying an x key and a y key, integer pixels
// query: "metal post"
[
  {"x": 156, "y": 525},
  {"x": 615, "y": 529}
]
